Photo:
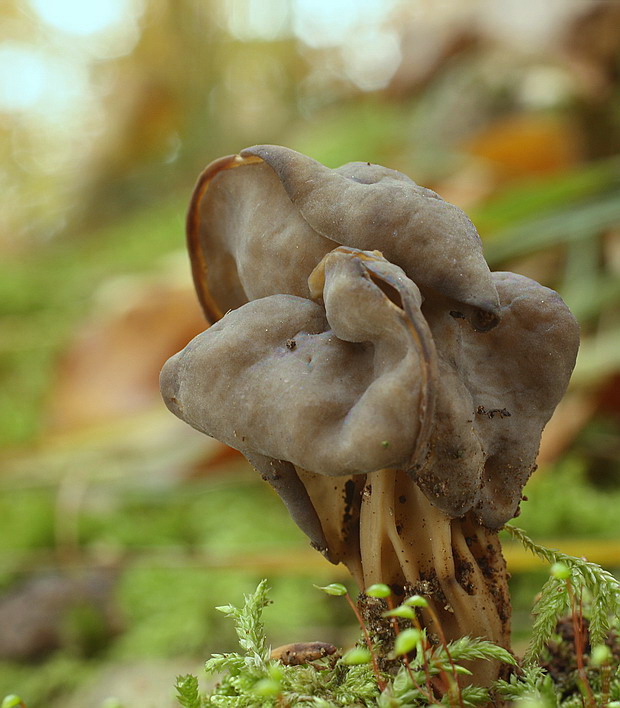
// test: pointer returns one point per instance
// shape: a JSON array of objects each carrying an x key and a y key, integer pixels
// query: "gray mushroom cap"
[
  {"x": 259, "y": 222},
  {"x": 342, "y": 387},
  {"x": 367, "y": 376},
  {"x": 497, "y": 391}
]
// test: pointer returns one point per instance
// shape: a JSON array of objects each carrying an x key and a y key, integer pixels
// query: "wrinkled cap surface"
[
  {"x": 259, "y": 222},
  {"x": 341, "y": 387},
  {"x": 367, "y": 377},
  {"x": 358, "y": 328},
  {"x": 497, "y": 391}
]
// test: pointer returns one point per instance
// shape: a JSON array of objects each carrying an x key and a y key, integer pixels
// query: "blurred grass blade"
[
  {"x": 546, "y": 194},
  {"x": 561, "y": 227}
]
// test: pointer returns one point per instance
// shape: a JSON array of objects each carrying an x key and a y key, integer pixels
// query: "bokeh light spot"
[
  {"x": 324, "y": 23},
  {"x": 23, "y": 77},
  {"x": 371, "y": 57},
  {"x": 79, "y": 17}
]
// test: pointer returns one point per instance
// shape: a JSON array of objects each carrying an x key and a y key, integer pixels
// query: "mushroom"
[{"x": 394, "y": 398}]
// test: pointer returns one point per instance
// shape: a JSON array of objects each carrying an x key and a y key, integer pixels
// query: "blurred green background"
[{"x": 120, "y": 527}]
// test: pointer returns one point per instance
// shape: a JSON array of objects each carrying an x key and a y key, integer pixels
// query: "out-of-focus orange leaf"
[
  {"x": 111, "y": 369},
  {"x": 467, "y": 186},
  {"x": 571, "y": 415},
  {"x": 609, "y": 396},
  {"x": 522, "y": 145}
]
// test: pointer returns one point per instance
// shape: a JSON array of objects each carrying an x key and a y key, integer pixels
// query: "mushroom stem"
[{"x": 455, "y": 563}]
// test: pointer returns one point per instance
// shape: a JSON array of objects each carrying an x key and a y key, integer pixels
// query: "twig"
[{"x": 577, "y": 620}]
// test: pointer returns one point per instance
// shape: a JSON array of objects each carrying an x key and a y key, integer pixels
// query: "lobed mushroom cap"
[
  {"x": 341, "y": 387},
  {"x": 497, "y": 391},
  {"x": 341, "y": 360},
  {"x": 260, "y": 221},
  {"x": 368, "y": 377}
]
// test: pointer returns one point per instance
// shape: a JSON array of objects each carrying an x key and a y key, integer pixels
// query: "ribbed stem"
[
  {"x": 456, "y": 564},
  {"x": 384, "y": 529}
]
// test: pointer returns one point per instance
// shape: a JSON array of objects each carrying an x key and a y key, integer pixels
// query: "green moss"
[
  {"x": 40, "y": 685},
  {"x": 562, "y": 502},
  {"x": 26, "y": 519}
]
